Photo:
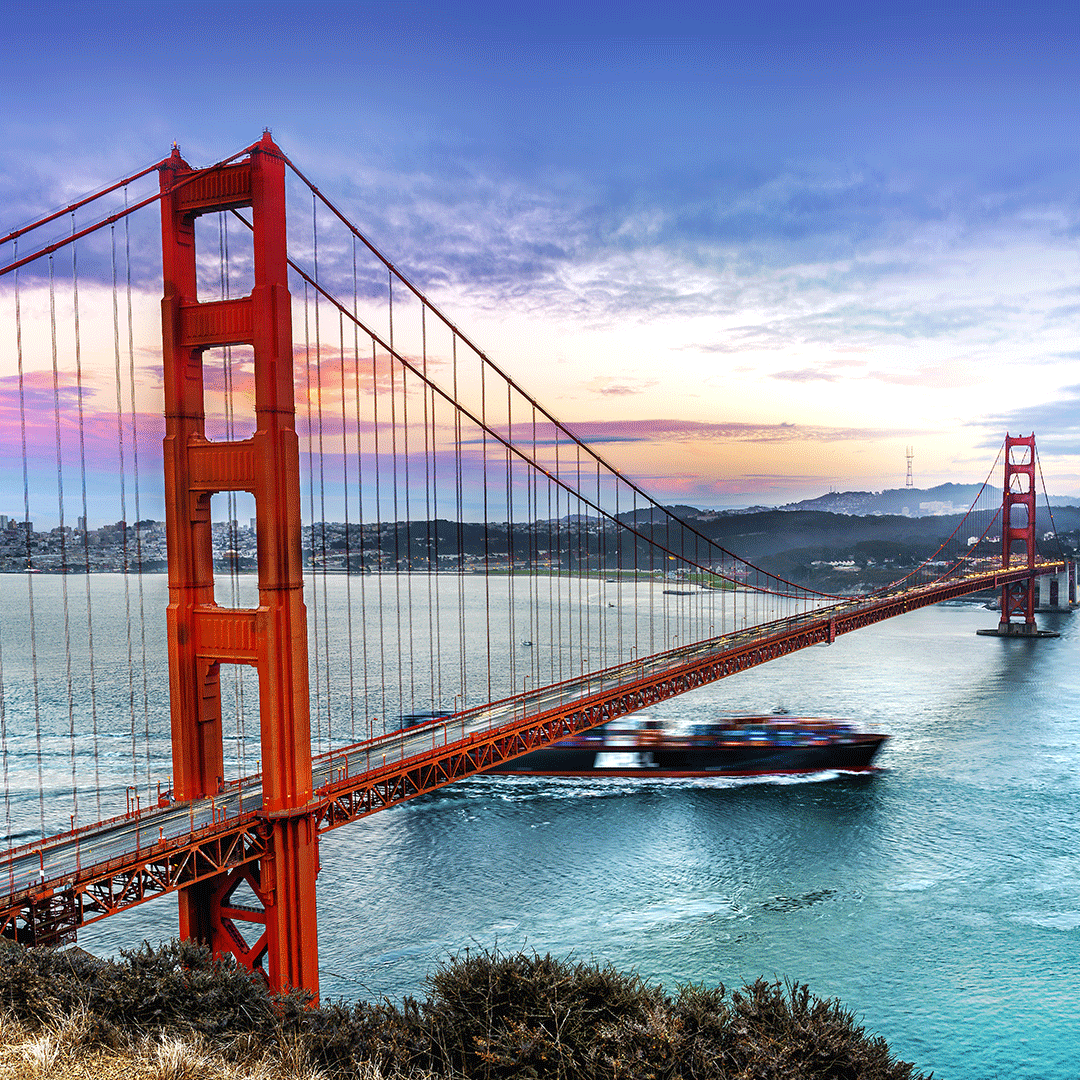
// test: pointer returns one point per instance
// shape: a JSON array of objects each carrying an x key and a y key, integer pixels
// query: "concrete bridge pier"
[
  {"x": 1057, "y": 592},
  {"x": 1051, "y": 593},
  {"x": 1017, "y": 630}
]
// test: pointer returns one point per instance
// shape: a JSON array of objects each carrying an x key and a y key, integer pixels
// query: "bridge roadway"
[{"x": 50, "y": 887}]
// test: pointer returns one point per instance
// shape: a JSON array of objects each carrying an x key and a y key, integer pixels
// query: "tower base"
[{"x": 1017, "y": 630}]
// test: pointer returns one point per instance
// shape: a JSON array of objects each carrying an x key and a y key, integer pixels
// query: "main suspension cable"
[
  {"x": 486, "y": 361},
  {"x": 1049, "y": 509},
  {"x": 489, "y": 432}
]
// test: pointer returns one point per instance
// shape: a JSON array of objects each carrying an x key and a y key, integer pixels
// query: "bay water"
[{"x": 938, "y": 899}]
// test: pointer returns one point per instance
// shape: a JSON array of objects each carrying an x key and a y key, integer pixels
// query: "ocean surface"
[{"x": 939, "y": 899}]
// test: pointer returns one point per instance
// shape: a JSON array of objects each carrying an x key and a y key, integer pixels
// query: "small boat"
[
  {"x": 527, "y": 644},
  {"x": 732, "y": 746}
]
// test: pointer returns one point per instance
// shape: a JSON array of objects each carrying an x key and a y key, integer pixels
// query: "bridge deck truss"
[{"x": 356, "y": 781}]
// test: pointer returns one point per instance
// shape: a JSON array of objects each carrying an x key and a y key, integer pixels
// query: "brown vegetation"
[{"x": 173, "y": 1014}]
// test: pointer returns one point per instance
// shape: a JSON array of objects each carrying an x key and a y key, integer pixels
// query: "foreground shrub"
[
  {"x": 486, "y": 1016},
  {"x": 175, "y": 987},
  {"x": 492, "y": 1015}
]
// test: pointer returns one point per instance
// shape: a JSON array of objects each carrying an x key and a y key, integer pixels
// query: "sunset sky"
[{"x": 753, "y": 251}]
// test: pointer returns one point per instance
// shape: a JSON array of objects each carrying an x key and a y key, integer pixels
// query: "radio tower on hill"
[{"x": 910, "y": 455}]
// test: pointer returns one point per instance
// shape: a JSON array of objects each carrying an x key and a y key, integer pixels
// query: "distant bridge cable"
[
  {"x": 488, "y": 430},
  {"x": 85, "y": 201},
  {"x": 971, "y": 509},
  {"x": 1049, "y": 510},
  {"x": 112, "y": 219},
  {"x": 488, "y": 362}
]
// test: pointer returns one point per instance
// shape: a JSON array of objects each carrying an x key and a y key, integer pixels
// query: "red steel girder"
[
  {"x": 350, "y": 798},
  {"x": 202, "y": 635},
  {"x": 1018, "y": 490},
  {"x": 52, "y": 911}
]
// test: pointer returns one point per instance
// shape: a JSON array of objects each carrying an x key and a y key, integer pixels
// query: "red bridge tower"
[
  {"x": 202, "y": 635},
  {"x": 1018, "y": 527}
]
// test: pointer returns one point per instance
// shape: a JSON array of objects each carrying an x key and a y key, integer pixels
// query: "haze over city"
[{"x": 753, "y": 253}]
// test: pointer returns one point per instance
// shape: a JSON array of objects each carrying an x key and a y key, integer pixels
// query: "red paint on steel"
[
  {"x": 1018, "y": 597},
  {"x": 51, "y": 912},
  {"x": 272, "y": 637}
]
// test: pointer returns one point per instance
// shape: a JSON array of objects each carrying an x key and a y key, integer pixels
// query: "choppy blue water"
[{"x": 940, "y": 900}]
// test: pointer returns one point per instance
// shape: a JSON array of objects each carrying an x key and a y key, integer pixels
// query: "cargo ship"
[{"x": 732, "y": 746}]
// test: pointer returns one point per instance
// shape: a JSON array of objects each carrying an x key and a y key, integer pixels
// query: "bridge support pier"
[
  {"x": 1018, "y": 537},
  {"x": 1057, "y": 592},
  {"x": 203, "y": 635}
]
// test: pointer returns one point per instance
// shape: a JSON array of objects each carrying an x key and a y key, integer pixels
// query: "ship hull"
[{"x": 681, "y": 759}]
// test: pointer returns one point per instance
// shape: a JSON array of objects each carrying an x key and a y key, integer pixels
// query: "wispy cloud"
[
  {"x": 608, "y": 387},
  {"x": 622, "y": 431},
  {"x": 805, "y": 280},
  {"x": 711, "y": 242},
  {"x": 1056, "y": 423},
  {"x": 805, "y": 375}
]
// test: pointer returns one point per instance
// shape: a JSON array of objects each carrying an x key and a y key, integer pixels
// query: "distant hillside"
[
  {"x": 941, "y": 501},
  {"x": 909, "y": 502},
  {"x": 905, "y": 502},
  {"x": 803, "y": 543}
]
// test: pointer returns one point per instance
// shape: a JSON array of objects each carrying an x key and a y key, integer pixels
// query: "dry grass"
[
  {"x": 55, "y": 1053},
  {"x": 173, "y": 1014},
  {"x": 60, "y": 1050}
]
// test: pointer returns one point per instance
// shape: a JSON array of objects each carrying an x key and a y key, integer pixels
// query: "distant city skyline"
[{"x": 750, "y": 253}]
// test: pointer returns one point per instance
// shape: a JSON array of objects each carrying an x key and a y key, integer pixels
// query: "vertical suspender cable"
[
  {"x": 559, "y": 637},
  {"x": 534, "y": 559},
  {"x": 1049, "y": 509},
  {"x": 127, "y": 586},
  {"x": 85, "y": 519},
  {"x": 233, "y": 526},
  {"x": 618, "y": 534},
  {"x": 487, "y": 530},
  {"x": 431, "y": 553},
  {"x": 635, "y": 570},
  {"x": 360, "y": 494},
  {"x": 322, "y": 472},
  {"x": 395, "y": 524},
  {"x": 123, "y": 508},
  {"x": 459, "y": 513},
  {"x": 649, "y": 555},
  {"x": 510, "y": 545},
  {"x": 29, "y": 554},
  {"x": 4, "y": 746},
  {"x": 230, "y": 496},
  {"x": 63, "y": 539},
  {"x": 311, "y": 502},
  {"x": 666, "y": 563},
  {"x": 584, "y": 643},
  {"x": 695, "y": 609},
  {"x": 4, "y": 754},
  {"x": 554, "y": 638},
  {"x": 437, "y": 550},
  {"x": 379, "y": 556},
  {"x": 408, "y": 538},
  {"x": 601, "y": 567},
  {"x": 348, "y": 548},
  {"x": 138, "y": 494}
]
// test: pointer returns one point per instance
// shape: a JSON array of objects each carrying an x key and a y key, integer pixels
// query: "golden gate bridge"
[{"x": 491, "y": 584}]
